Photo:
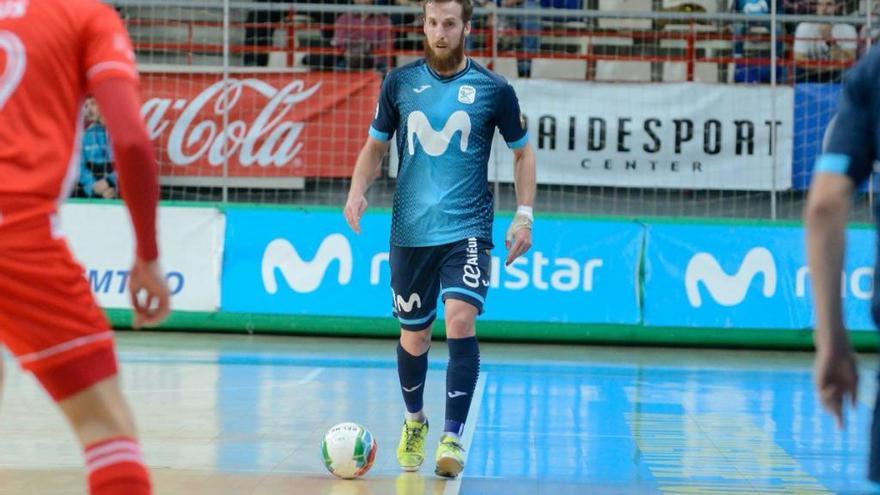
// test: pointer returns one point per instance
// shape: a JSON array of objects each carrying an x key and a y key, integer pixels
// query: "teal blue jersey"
[{"x": 445, "y": 127}]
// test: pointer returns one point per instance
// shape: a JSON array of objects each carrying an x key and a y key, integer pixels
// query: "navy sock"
[
  {"x": 461, "y": 380},
  {"x": 412, "y": 371}
]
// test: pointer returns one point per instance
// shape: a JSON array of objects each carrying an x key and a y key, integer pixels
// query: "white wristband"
[{"x": 528, "y": 211}]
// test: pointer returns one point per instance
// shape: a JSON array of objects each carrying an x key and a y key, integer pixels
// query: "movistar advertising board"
[
  {"x": 745, "y": 277},
  {"x": 311, "y": 263}
]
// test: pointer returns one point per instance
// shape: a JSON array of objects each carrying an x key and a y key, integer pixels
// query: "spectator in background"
[
  {"x": 808, "y": 7},
  {"x": 824, "y": 42},
  {"x": 563, "y": 4},
  {"x": 97, "y": 179},
  {"x": 259, "y": 33},
  {"x": 872, "y": 34},
  {"x": 530, "y": 41},
  {"x": 407, "y": 34},
  {"x": 325, "y": 18},
  {"x": 401, "y": 19},
  {"x": 796, "y": 7},
  {"x": 748, "y": 72},
  {"x": 359, "y": 35}
]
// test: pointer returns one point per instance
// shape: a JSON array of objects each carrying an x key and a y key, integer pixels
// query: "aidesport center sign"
[{"x": 311, "y": 263}]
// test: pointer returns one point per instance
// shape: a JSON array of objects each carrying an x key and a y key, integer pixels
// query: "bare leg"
[
  {"x": 2, "y": 377},
  {"x": 99, "y": 412},
  {"x": 104, "y": 425}
]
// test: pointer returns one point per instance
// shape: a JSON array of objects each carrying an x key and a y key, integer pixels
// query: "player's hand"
[
  {"x": 149, "y": 293},
  {"x": 109, "y": 193},
  {"x": 519, "y": 237},
  {"x": 354, "y": 210},
  {"x": 837, "y": 379},
  {"x": 100, "y": 187}
]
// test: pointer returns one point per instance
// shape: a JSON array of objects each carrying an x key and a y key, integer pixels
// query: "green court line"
[{"x": 332, "y": 326}]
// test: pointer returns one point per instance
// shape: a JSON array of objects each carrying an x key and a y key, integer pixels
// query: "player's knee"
[
  {"x": 106, "y": 421},
  {"x": 460, "y": 326},
  {"x": 416, "y": 343},
  {"x": 87, "y": 391}
]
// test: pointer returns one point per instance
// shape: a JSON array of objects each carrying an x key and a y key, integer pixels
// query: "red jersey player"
[{"x": 53, "y": 52}]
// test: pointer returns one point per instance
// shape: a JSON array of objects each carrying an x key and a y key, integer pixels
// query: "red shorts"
[{"x": 48, "y": 316}]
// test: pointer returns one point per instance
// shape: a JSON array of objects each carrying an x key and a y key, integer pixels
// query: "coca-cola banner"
[{"x": 276, "y": 125}]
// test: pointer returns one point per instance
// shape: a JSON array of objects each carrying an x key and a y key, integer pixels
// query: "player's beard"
[{"x": 448, "y": 62}]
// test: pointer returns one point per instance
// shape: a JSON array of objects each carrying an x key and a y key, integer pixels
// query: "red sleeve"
[
  {"x": 135, "y": 162},
  {"x": 107, "y": 50}
]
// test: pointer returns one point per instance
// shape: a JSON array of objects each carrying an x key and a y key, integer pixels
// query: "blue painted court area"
[{"x": 238, "y": 414}]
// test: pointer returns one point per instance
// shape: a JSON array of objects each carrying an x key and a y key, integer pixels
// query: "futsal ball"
[{"x": 349, "y": 450}]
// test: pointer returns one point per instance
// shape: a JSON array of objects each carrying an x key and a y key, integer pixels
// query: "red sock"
[{"x": 116, "y": 467}]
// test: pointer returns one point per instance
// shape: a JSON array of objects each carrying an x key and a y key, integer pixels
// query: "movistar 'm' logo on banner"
[
  {"x": 301, "y": 275},
  {"x": 435, "y": 143},
  {"x": 729, "y": 290}
]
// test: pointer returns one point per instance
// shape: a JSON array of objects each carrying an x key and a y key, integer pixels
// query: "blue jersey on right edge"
[
  {"x": 852, "y": 138},
  {"x": 851, "y": 146},
  {"x": 445, "y": 127}
]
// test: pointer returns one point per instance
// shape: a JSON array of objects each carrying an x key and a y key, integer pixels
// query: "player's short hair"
[{"x": 467, "y": 8}]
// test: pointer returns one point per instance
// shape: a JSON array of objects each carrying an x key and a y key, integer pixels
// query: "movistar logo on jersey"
[
  {"x": 435, "y": 143},
  {"x": 729, "y": 290},
  {"x": 301, "y": 275}
]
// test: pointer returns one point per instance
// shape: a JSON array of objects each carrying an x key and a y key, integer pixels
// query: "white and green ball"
[{"x": 349, "y": 450}]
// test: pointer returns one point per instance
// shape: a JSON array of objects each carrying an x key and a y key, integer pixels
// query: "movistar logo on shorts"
[
  {"x": 301, "y": 275},
  {"x": 729, "y": 290},
  {"x": 402, "y": 305},
  {"x": 433, "y": 142}
]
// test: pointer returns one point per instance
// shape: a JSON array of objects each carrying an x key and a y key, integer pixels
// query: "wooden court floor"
[{"x": 233, "y": 414}]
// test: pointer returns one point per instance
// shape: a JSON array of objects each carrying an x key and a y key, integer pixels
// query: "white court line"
[
  {"x": 453, "y": 487},
  {"x": 867, "y": 385},
  {"x": 310, "y": 376}
]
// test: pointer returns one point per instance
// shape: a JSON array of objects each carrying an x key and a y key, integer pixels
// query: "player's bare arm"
[
  {"x": 366, "y": 170},
  {"x": 825, "y": 215},
  {"x": 119, "y": 104},
  {"x": 519, "y": 235}
]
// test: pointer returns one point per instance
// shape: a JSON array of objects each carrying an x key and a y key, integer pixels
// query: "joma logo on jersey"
[
  {"x": 301, "y": 275},
  {"x": 435, "y": 143},
  {"x": 729, "y": 290}
]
